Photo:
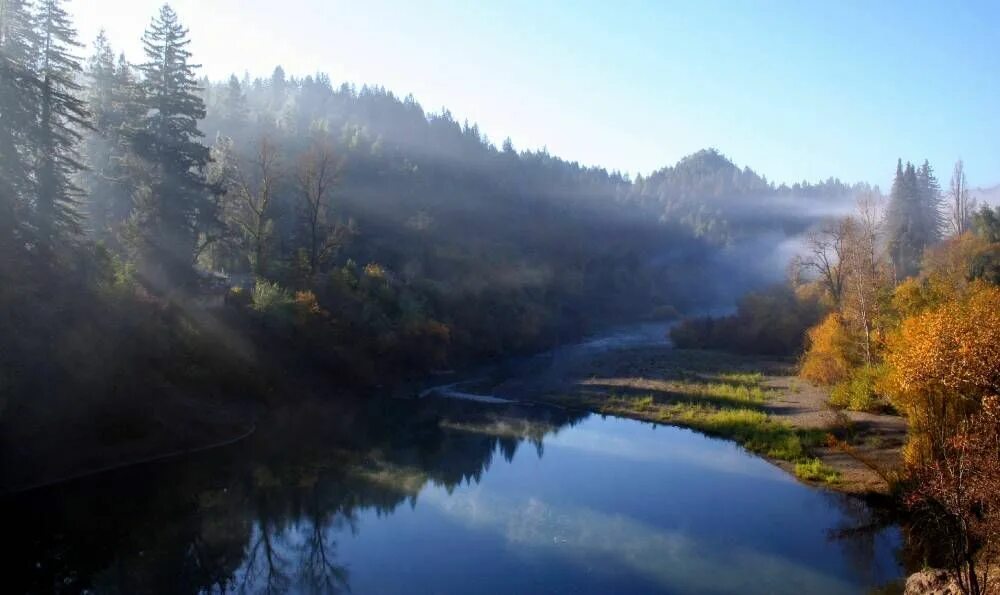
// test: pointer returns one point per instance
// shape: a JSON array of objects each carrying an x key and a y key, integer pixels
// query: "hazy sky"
[{"x": 796, "y": 90}]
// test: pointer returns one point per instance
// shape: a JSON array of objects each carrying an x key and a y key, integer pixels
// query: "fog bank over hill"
[{"x": 407, "y": 173}]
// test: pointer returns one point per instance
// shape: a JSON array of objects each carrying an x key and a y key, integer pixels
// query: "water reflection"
[{"x": 446, "y": 496}]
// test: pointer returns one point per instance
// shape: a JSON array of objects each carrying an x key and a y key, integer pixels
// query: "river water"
[{"x": 449, "y": 496}]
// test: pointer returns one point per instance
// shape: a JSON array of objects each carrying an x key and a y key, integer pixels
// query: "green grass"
[
  {"x": 727, "y": 405},
  {"x": 750, "y": 379},
  {"x": 816, "y": 470}
]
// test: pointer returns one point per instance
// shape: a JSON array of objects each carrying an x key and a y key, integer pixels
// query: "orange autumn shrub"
[
  {"x": 827, "y": 358},
  {"x": 306, "y": 302},
  {"x": 941, "y": 363}
]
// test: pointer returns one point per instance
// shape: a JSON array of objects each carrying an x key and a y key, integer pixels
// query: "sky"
[{"x": 795, "y": 90}]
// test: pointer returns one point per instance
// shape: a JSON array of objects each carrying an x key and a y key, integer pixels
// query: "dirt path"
[{"x": 876, "y": 439}]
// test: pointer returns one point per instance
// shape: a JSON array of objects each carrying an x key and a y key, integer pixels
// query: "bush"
[
  {"x": 269, "y": 296},
  {"x": 941, "y": 363},
  {"x": 859, "y": 392},
  {"x": 827, "y": 360}
]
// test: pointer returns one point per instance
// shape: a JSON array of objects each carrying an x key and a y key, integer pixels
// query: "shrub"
[
  {"x": 859, "y": 392},
  {"x": 827, "y": 358},
  {"x": 941, "y": 363},
  {"x": 269, "y": 296}
]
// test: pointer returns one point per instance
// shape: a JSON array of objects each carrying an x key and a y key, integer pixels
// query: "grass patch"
[
  {"x": 816, "y": 470},
  {"x": 723, "y": 391},
  {"x": 754, "y": 430},
  {"x": 749, "y": 379},
  {"x": 727, "y": 405}
]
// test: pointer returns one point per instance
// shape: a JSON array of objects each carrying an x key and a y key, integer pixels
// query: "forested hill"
[
  {"x": 405, "y": 176},
  {"x": 349, "y": 229},
  {"x": 432, "y": 153},
  {"x": 713, "y": 197}
]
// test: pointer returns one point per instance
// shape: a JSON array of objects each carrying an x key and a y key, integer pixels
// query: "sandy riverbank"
[{"x": 660, "y": 380}]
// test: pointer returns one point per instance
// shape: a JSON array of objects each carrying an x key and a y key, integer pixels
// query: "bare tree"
[
  {"x": 865, "y": 272},
  {"x": 251, "y": 181},
  {"x": 825, "y": 254},
  {"x": 962, "y": 205},
  {"x": 317, "y": 176}
]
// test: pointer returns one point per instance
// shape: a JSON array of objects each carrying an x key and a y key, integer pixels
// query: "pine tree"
[
  {"x": 18, "y": 101},
  {"x": 930, "y": 205},
  {"x": 100, "y": 101},
  {"x": 234, "y": 109},
  {"x": 175, "y": 205},
  {"x": 113, "y": 99},
  {"x": 913, "y": 218},
  {"x": 61, "y": 116}
]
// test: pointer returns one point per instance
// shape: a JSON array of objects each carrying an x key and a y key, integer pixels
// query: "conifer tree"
[
  {"x": 18, "y": 100},
  {"x": 100, "y": 101},
  {"x": 61, "y": 117},
  {"x": 930, "y": 204},
  {"x": 235, "y": 113},
  {"x": 113, "y": 99},
  {"x": 913, "y": 218},
  {"x": 175, "y": 205}
]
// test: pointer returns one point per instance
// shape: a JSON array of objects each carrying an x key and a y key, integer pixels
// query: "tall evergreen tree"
[
  {"x": 18, "y": 100},
  {"x": 100, "y": 101},
  {"x": 235, "y": 114},
  {"x": 61, "y": 117},
  {"x": 113, "y": 99},
  {"x": 930, "y": 205},
  {"x": 913, "y": 218},
  {"x": 176, "y": 205}
]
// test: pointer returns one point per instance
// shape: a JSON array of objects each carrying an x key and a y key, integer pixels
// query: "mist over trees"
[
  {"x": 914, "y": 216},
  {"x": 285, "y": 220}
]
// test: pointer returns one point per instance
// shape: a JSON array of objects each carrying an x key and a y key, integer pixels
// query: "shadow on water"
[{"x": 259, "y": 516}]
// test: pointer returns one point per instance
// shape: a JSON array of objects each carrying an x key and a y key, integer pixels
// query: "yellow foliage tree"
[
  {"x": 944, "y": 275},
  {"x": 827, "y": 358},
  {"x": 941, "y": 363}
]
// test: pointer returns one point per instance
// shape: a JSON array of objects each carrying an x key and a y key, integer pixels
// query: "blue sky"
[{"x": 796, "y": 90}]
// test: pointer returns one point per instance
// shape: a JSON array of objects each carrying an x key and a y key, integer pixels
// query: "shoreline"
[{"x": 663, "y": 385}]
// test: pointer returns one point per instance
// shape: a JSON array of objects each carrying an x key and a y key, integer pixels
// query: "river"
[{"x": 440, "y": 495}]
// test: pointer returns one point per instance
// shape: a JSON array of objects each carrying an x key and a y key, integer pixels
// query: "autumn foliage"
[
  {"x": 941, "y": 363},
  {"x": 956, "y": 496},
  {"x": 827, "y": 359}
]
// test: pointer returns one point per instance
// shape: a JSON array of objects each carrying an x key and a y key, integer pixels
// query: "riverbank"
[{"x": 757, "y": 402}]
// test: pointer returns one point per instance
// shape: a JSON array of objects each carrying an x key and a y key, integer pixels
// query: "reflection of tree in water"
[
  {"x": 263, "y": 516},
  {"x": 266, "y": 569},
  {"x": 318, "y": 569},
  {"x": 863, "y": 524}
]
